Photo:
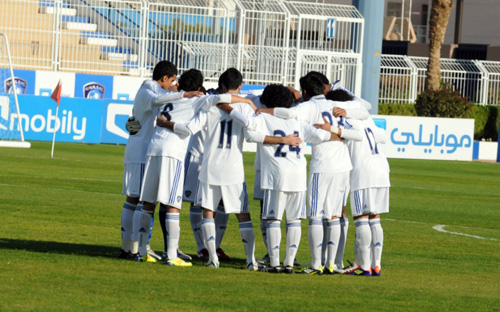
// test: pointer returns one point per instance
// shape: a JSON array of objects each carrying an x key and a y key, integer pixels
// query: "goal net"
[{"x": 11, "y": 132}]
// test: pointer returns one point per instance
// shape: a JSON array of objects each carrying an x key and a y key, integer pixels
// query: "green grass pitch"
[{"x": 60, "y": 234}]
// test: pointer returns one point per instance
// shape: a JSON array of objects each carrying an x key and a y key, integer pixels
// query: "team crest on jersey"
[
  {"x": 179, "y": 198},
  {"x": 187, "y": 193},
  {"x": 93, "y": 90},
  {"x": 20, "y": 84}
]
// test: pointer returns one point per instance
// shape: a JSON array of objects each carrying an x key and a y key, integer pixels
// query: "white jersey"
[
  {"x": 223, "y": 159},
  {"x": 165, "y": 142},
  {"x": 330, "y": 156},
  {"x": 370, "y": 166},
  {"x": 146, "y": 98},
  {"x": 196, "y": 145},
  {"x": 283, "y": 168},
  {"x": 256, "y": 101},
  {"x": 197, "y": 142}
]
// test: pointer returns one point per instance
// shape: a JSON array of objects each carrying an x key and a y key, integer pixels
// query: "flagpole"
[
  {"x": 56, "y": 96},
  {"x": 54, "y": 136}
]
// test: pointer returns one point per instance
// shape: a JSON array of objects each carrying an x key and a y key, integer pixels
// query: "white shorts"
[
  {"x": 163, "y": 181},
  {"x": 191, "y": 173},
  {"x": 346, "y": 194},
  {"x": 370, "y": 201},
  {"x": 258, "y": 193},
  {"x": 325, "y": 194},
  {"x": 132, "y": 179},
  {"x": 234, "y": 196},
  {"x": 277, "y": 202}
]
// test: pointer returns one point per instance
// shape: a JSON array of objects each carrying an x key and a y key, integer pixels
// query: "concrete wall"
[{"x": 480, "y": 23}]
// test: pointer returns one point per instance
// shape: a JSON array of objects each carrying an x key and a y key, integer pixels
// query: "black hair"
[
  {"x": 191, "y": 80},
  {"x": 164, "y": 68},
  {"x": 320, "y": 76},
  {"x": 231, "y": 79},
  {"x": 202, "y": 89},
  {"x": 276, "y": 95},
  {"x": 339, "y": 95},
  {"x": 312, "y": 85}
]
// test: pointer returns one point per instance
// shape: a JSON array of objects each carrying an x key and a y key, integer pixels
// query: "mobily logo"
[
  {"x": 115, "y": 110},
  {"x": 66, "y": 124}
]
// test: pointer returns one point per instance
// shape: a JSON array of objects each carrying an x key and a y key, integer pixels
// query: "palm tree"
[{"x": 440, "y": 13}]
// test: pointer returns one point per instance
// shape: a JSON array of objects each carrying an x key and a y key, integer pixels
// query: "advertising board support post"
[{"x": 498, "y": 144}]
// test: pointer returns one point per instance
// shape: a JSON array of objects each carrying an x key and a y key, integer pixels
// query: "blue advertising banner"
[
  {"x": 95, "y": 87},
  {"x": 79, "y": 120},
  {"x": 115, "y": 115},
  {"x": 24, "y": 81}
]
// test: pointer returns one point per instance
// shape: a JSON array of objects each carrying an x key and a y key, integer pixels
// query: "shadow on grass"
[
  {"x": 59, "y": 248},
  {"x": 86, "y": 250}
]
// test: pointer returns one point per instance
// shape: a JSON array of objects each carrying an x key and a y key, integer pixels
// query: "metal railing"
[
  {"x": 402, "y": 78},
  {"x": 270, "y": 41}
]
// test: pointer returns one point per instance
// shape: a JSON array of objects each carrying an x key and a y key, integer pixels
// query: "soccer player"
[
  {"x": 370, "y": 184},
  {"x": 328, "y": 172},
  {"x": 340, "y": 111},
  {"x": 164, "y": 74},
  {"x": 258, "y": 194},
  {"x": 193, "y": 164},
  {"x": 267, "y": 96},
  {"x": 283, "y": 174},
  {"x": 164, "y": 172},
  {"x": 222, "y": 172}
]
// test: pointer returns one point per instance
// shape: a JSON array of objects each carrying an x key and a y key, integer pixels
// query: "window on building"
[
  {"x": 425, "y": 14},
  {"x": 394, "y": 9}
]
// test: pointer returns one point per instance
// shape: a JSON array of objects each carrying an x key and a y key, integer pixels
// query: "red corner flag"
[{"x": 56, "y": 94}]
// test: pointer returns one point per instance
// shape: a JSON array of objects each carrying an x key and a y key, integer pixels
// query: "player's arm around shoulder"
[
  {"x": 299, "y": 111},
  {"x": 246, "y": 117},
  {"x": 320, "y": 132},
  {"x": 351, "y": 110}
]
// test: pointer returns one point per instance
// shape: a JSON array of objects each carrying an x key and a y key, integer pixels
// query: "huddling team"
[{"x": 187, "y": 146}]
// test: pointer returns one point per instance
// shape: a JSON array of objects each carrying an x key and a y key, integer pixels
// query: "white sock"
[
  {"x": 324, "y": 244},
  {"x": 344, "y": 226},
  {"x": 315, "y": 237},
  {"x": 248, "y": 239},
  {"x": 221, "y": 219},
  {"x": 293, "y": 234},
  {"x": 208, "y": 230},
  {"x": 273, "y": 242},
  {"x": 333, "y": 241},
  {"x": 363, "y": 242},
  {"x": 195, "y": 216},
  {"x": 263, "y": 231},
  {"x": 135, "y": 226},
  {"x": 142, "y": 223},
  {"x": 377, "y": 242},
  {"x": 127, "y": 225},
  {"x": 173, "y": 234}
]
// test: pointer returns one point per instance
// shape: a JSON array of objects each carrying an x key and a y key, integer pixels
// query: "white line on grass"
[{"x": 440, "y": 228}]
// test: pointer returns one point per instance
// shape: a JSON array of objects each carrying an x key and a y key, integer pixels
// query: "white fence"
[
  {"x": 270, "y": 41},
  {"x": 402, "y": 78}
]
